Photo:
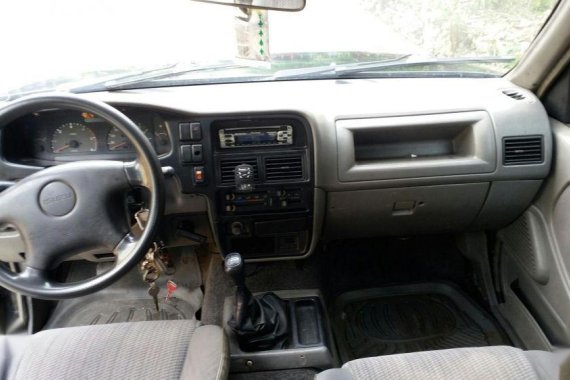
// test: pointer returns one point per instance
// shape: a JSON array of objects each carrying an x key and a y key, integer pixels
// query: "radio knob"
[{"x": 237, "y": 228}]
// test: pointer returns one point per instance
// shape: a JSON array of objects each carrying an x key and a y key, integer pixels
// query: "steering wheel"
[{"x": 78, "y": 207}]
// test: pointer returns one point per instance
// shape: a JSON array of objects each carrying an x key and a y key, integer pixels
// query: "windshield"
[{"x": 67, "y": 44}]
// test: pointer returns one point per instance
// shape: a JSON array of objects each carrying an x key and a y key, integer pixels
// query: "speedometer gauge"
[{"x": 73, "y": 138}]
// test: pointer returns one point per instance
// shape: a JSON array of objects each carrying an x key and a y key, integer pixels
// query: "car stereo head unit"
[{"x": 256, "y": 136}]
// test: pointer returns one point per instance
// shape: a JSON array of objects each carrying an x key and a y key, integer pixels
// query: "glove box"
[{"x": 404, "y": 211}]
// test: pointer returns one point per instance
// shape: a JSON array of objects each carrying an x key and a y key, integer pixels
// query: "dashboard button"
[
  {"x": 185, "y": 153},
  {"x": 184, "y": 131},
  {"x": 197, "y": 153},
  {"x": 199, "y": 175},
  {"x": 195, "y": 131}
]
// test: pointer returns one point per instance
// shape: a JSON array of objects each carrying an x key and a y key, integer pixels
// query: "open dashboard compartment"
[{"x": 415, "y": 146}]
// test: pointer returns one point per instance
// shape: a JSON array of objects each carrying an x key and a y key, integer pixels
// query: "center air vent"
[
  {"x": 523, "y": 150},
  {"x": 286, "y": 168},
  {"x": 227, "y": 166}
]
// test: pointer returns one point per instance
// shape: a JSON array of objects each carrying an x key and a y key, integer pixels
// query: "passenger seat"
[{"x": 493, "y": 363}]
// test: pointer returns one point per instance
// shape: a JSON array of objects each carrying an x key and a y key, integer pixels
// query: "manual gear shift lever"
[
  {"x": 259, "y": 322},
  {"x": 233, "y": 265}
]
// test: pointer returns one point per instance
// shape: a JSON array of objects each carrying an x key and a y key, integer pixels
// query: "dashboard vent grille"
[
  {"x": 514, "y": 94},
  {"x": 285, "y": 168},
  {"x": 522, "y": 150},
  {"x": 228, "y": 165}
]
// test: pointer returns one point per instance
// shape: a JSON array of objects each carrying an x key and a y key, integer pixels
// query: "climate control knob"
[{"x": 237, "y": 228}]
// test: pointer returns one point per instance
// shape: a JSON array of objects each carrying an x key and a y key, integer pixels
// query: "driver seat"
[{"x": 136, "y": 350}]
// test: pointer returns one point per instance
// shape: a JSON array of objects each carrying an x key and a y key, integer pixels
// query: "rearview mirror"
[{"x": 275, "y": 5}]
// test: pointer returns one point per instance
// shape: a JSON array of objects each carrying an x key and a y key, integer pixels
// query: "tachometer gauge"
[{"x": 73, "y": 138}]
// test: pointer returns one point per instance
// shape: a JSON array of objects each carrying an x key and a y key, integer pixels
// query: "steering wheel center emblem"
[{"x": 57, "y": 199}]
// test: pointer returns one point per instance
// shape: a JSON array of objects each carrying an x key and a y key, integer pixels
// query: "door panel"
[{"x": 534, "y": 255}]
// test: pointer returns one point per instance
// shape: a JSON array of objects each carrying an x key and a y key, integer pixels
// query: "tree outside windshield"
[{"x": 464, "y": 27}]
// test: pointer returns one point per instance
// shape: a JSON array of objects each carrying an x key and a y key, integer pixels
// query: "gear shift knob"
[
  {"x": 233, "y": 265},
  {"x": 244, "y": 176}
]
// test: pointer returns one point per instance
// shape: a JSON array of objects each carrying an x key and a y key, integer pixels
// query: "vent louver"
[
  {"x": 285, "y": 168},
  {"x": 514, "y": 94},
  {"x": 227, "y": 167},
  {"x": 522, "y": 150}
]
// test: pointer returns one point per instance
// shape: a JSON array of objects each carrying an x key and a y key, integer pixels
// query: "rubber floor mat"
[
  {"x": 410, "y": 318},
  {"x": 104, "y": 311},
  {"x": 127, "y": 300}
]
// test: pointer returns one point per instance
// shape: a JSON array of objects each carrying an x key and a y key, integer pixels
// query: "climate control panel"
[{"x": 265, "y": 200}]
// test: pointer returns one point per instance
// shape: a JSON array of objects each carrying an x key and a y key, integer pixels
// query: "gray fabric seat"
[
  {"x": 501, "y": 363},
  {"x": 136, "y": 350}
]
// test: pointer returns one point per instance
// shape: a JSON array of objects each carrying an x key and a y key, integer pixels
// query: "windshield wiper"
[
  {"x": 100, "y": 84},
  {"x": 131, "y": 81},
  {"x": 375, "y": 66},
  {"x": 332, "y": 68},
  {"x": 421, "y": 63},
  {"x": 86, "y": 82}
]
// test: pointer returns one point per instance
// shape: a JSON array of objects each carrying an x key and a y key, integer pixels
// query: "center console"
[
  {"x": 272, "y": 217},
  {"x": 274, "y": 330},
  {"x": 258, "y": 174}
]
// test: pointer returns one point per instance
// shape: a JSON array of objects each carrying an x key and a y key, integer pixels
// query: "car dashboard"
[{"x": 331, "y": 159}]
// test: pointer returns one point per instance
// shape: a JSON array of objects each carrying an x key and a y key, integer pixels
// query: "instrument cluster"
[{"x": 69, "y": 135}]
